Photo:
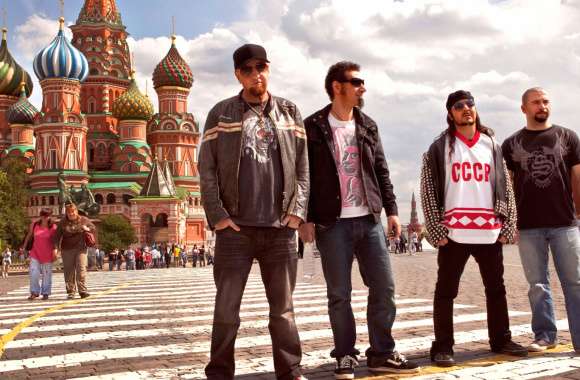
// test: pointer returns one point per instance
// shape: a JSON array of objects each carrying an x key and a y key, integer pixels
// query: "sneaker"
[
  {"x": 44, "y": 297},
  {"x": 541, "y": 345},
  {"x": 345, "y": 367},
  {"x": 393, "y": 363},
  {"x": 443, "y": 359},
  {"x": 513, "y": 349},
  {"x": 32, "y": 296},
  {"x": 300, "y": 378},
  {"x": 84, "y": 295},
  {"x": 70, "y": 296}
]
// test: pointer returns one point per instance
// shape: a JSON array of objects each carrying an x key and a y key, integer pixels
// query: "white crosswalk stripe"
[{"x": 169, "y": 314}]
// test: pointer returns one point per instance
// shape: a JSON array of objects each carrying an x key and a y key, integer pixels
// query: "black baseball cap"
[
  {"x": 247, "y": 52},
  {"x": 456, "y": 96}
]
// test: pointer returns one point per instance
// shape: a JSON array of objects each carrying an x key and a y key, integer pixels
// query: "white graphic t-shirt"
[{"x": 348, "y": 163}]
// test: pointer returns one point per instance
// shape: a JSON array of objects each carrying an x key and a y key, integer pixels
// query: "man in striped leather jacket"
[{"x": 469, "y": 210}]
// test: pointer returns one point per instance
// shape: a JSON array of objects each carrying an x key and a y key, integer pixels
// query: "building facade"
[{"x": 97, "y": 128}]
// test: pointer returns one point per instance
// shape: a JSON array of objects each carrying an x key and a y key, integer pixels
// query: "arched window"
[
  {"x": 127, "y": 198},
  {"x": 111, "y": 199},
  {"x": 93, "y": 71},
  {"x": 99, "y": 199},
  {"x": 51, "y": 200},
  {"x": 161, "y": 220},
  {"x": 92, "y": 105}
]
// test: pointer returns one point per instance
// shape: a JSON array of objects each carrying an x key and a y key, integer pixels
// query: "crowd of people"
[{"x": 157, "y": 255}]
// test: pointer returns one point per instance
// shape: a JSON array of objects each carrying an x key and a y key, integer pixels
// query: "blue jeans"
[
  {"x": 36, "y": 271},
  {"x": 339, "y": 243},
  {"x": 564, "y": 242}
]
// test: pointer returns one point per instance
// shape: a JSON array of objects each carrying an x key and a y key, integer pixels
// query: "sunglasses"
[
  {"x": 248, "y": 70},
  {"x": 461, "y": 104},
  {"x": 356, "y": 82}
]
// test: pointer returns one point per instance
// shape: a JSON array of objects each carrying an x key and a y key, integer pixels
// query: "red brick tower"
[{"x": 100, "y": 34}]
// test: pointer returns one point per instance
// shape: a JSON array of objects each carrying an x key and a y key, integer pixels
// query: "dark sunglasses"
[
  {"x": 356, "y": 82},
  {"x": 260, "y": 68},
  {"x": 461, "y": 104}
]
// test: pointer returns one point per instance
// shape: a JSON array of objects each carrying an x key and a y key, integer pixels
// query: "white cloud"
[{"x": 413, "y": 53}]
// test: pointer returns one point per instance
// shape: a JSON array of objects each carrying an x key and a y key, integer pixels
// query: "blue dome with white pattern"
[{"x": 61, "y": 59}]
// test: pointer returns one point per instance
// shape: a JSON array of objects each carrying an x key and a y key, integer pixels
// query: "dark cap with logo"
[
  {"x": 247, "y": 52},
  {"x": 456, "y": 96}
]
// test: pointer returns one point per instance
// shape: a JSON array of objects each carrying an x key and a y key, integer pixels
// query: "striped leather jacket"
[
  {"x": 220, "y": 154},
  {"x": 433, "y": 192}
]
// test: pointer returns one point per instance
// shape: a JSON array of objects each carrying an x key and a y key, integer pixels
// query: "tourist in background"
[
  {"x": 70, "y": 239},
  {"x": 130, "y": 259},
  {"x": 42, "y": 254},
  {"x": 113, "y": 258},
  {"x": 6, "y": 261}
]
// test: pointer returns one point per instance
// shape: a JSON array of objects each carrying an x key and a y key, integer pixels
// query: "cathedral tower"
[
  {"x": 61, "y": 128},
  {"x": 11, "y": 76},
  {"x": 173, "y": 133},
  {"x": 100, "y": 35}
]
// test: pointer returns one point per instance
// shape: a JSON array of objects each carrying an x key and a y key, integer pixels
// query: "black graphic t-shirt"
[
  {"x": 542, "y": 164},
  {"x": 261, "y": 179}
]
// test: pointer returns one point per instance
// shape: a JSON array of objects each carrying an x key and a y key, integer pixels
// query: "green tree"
[
  {"x": 14, "y": 196},
  {"x": 115, "y": 232}
]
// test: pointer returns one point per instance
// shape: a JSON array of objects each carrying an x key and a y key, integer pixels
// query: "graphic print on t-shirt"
[
  {"x": 258, "y": 138},
  {"x": 540, "y": 165},
  {"x": 347, "y": 158}
]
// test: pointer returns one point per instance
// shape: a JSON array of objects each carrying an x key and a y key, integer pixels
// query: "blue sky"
[
  {"x": 147, "y": 18},
  {"x": 413, "y": 53}
]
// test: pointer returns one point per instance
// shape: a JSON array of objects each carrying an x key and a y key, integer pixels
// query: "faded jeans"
[
  {"x": 339, "y": 243},
  {"x": 564, "y": 243},
  {"x": 38, "y": 271}
]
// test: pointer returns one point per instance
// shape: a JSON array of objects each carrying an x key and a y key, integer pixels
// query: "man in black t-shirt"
[
  {"x": 545, "y": 162},
  {"x": 254, "y": 181}
]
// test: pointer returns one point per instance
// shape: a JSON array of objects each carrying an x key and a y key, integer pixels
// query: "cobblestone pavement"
[{"x": 157, "y": 324}]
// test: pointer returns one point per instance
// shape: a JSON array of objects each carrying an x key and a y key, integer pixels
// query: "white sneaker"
[{"x": 540, "y": 346}]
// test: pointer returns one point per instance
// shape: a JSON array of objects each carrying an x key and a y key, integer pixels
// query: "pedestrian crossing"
[{"x": 159, "y": 326}]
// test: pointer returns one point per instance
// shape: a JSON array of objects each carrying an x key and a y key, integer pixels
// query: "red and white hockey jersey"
[{"x": 469, "y": 177}]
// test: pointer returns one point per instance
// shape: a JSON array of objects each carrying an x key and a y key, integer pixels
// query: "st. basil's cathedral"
[{"x": 96, "y": 127}]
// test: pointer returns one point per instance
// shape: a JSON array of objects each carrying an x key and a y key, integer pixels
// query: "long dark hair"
[{"x": 450, "y": 131}]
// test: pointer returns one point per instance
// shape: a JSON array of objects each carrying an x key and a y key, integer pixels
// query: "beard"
[
  {"x": 541, "y": 117},
  {"x": 464, "y": 123},
  {"x": 258, "y": 90},
  {"x": 361, "y": 102}
]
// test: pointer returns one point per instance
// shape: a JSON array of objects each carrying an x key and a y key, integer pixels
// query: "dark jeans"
[
  {"x": 339, "y": 243},
  {"x": 451, "y": 261},
  {"x": 275, "y": 250}
]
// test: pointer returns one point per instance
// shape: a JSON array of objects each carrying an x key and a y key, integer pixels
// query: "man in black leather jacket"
[
  {"x": 350, "y": 186},
  {"x": 253, "y": 166}
]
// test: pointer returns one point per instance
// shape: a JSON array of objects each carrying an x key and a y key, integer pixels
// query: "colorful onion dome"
[
  {"x": 21, "y": 112},
  {"x": 172, "y": 70},
  {"x": 133, "y": 105},
  {"x": 61, "y": 59},
  {"x": 11, "y": 74}
]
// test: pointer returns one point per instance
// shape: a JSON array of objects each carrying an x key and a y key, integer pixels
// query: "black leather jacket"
[
  {"x": 325, "y": 201},
  {"x": 220, "y": 154}
]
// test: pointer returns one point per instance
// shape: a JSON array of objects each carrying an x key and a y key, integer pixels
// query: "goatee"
[
  {"x": 361, "y": 103},
  {"x": 465, "y": 124},
  {"x": 257, "y": 91},
  {"x": 541, "y": 118}
]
